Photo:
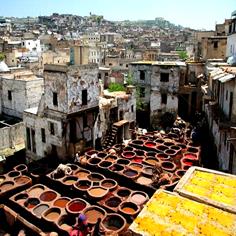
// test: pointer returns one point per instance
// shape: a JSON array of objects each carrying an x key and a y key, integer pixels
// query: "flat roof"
[
  {"x": 160, "y": 63},
  {"x": 33, "y": 110}
]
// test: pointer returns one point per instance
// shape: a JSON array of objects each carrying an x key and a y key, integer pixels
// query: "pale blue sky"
[{"x": 197, "y": 14}]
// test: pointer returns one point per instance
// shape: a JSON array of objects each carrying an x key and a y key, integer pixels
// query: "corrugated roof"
[{"x": 226, "y": 78}]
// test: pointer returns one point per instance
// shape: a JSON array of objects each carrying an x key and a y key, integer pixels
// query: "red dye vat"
[
  {"x": 191, "y": 156},
  {"x": 187, "y": 162},
  {"x": 77, "y": 206}
]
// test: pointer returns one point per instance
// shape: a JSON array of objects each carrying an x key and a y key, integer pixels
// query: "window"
[
  {"x": 33, "y": 140},
  {"x": 99, "y": 76},
  {"x": 9, "y": 95},
  {"x": 142, "y": 92},
  {"x": 164, "y": 77},
  {"x": 28, "y": 138},
  {"x": 85, "y": 120},
  {"x": 121, "y": 114},
  {"x": 226, "y": 95},
  {"x": 225, "y": 139},
  {"x": 84, "y": 97},
  {"x": 132, "y": 108},
  {"x": 142, "y": 75},
  {"x": 164, "y": 98},
  {"x": 43, "y": 135},
  {"x": 55, "y": 101},
  {"x": 215, "y": 44},
  {"x": 52, "y": 128}
]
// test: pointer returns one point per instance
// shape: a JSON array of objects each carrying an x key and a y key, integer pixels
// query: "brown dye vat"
[
  {"x": 21, "y": 168},
  {"x": 2, "y": 178},
  {"x": 70, "y": 180},
  {"x": 52, "y": 214},
  {"x": 95, "y": 177},
  {"x": 151, "y": 154},
  {"x": 129, "y": 208},
  {"x": 159, "y": 140},
  {"x": 162, "y": 156},
  {"x": 57, "y": 175},
  {"x": 170, "y": 152},
  {"x": 128, "y": 148},
  {"x": 113, "y": 202},
  {"x": 101, "y": 155},
  {"x": 6, "y": 185},
  {"x": 65, "y": 222},
  {"x": 72, "y": 166},
  {"x": 116, "y": 167},
  {"x": 31, "y": 202},
  {"x": 97, "y": 192},
  {"x": 123, "y": 192},
  {"x": 168, "y": 166},
  {"x": 48, "y": 196},
  {"x": 90, "y": 153},
  {"x": 128, "y": 154},
  {"x": 114, "y": 222},
  {"x": 21, "y": 180},
  {"x": 144, "y": 180},
  {"x": 130, "y": 173},
  {"x": 93, "y": 213},
  {"x": 137, "y": 142},
  {"x": 36, "y": 191},
  {"x": 139, "y": 198},
  {"x": 94, "y": 161},
  {"x": 82, "y": 174},
  {"x": 108, "y": 183},
  {"x": 83, "y": 185},
  {"x": 76, "y": 205},
  {"x": 61, "y": 202},
  {"x": 111, "y": 158},
  {"x": 14, "y": 174},
  {"x": 151, "y": 161},
  {"x": 162, "y": 148},
  {"x": 139, "y": 152},
  {"x": 40, "y": 209},
  {"x": 137, "y": 167},
  {"x": 168, "y": 144}
]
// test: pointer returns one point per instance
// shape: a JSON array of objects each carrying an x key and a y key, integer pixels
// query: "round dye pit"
[
  {"x": 162, "y": 156},
  {"x": 129, "y": 208},
  {"x": 105, "y": 164},
  {"x": 128, "y": 148},
  {"x": 83, "y": 185},
  {"x": 48, "y": 196},
  {"x": 148, "y": 171},
  {"x": 21, "y": 197},
  {"x": 52, "y": 214},
  {"x": 135, "y": 166},
  {"x": 97, "y": 192},
  {"x": 162, "y": 148},
  {"x": 31, "y": 202},
  {"x": 38, "y": 210},
  {"x": 150, "y": 144},
  {"x": 128, "y": 154},
  {"x": 94, "y": 161},
  {"x": 21, "y": 168},
  {"x": 191, "y": 156},
  {"x": 90, "y": 153},
  {"x": 114, "y": 222},
  {"x": 61, "y": 202},
  {"x": 168, "y": 144},
  {"x": 111, "y": 158},
  {"x": 192, "y": 149},
  {"x": 22, "y": 180},
  {"x": 116, "y": 167},
  {"x": 65, "y": 222},
  {"x": 123, "y": 162},
  {"x": 130, "y": 173},
  {"x": 168, "y": 166},
  {"x": 109, "y": 183},
  {"x": 137, "y": 142},
  {"x": 95, "y": 177},
  {"x": 170, "y": 152},
  {"x": 139, "y": 198},
  {"x": 188, "y": 162},
  {"x": 180, "y": 173},
  {"x": 14, "y": 174},
  {"x": 151, "y": 154},
  {"x": 6, "y": 185},
  {"x": 113, "y": 202},
  {"x": 101, "y": 155},
  {"x": 76, "y": 205},
  {"x": 93, "y": 213},
  {"x": 70, "y": 180},
  {"x": 123, "y": 192},
  {"x": 144, "y": 180},
  {"x": 151, "y": 161},
  {"x": 82, "y": 174},
  {"x": 36, "y": 190}
]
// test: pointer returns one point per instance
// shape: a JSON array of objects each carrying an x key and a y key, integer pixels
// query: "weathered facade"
[
  {"x": 20, "y": 89},
  {"x": 221, "y": 114},
  {"x": 158, "y": 85},
  {"x": 66, "y": 114}
]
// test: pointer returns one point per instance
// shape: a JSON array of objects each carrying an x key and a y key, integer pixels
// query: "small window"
[
  {"x": 164, "y": 98},
  {"x": 142, "y": 75},
  {"x": 84, "y": 97},
  {"x": 52, "y": 128},
  {"x": 106, "y": 74},
  {"x": 215, "y": 44},
  {"x": 99, "y": 76},
  {"x": 226, "y": 95},
  {"x": 85, "y": 120},
  {"x": 142, "y": 92},
  {"x": 164, "y": 77},
  {"x": 126, "y": 65},
  {"x": 33, "y": 140},
  {"x": 43, "y": 135},
  {"x": 110, "y": 64},
  {"x": 28, "y": 138},
  {"x": 9, "y": 95},
  {"x": 55, "y": 101},
  {"x": 121, "y": 113},
  {"x": 132, "y": 108}
]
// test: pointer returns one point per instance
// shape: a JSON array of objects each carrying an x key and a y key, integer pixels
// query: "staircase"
[{"x": 110, "y": 137}]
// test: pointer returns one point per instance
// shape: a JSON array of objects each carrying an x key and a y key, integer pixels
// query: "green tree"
[
  {"x": 2, "y": 56},
  {"x": 113, "y": 87},
  {"x": 183, "y": 55},
  {"x": 129, "y": 79}
]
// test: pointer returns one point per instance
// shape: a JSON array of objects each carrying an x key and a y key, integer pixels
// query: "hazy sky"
[{"x": 197, "y": 14}]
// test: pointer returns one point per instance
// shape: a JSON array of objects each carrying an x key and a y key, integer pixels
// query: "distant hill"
[{"x": 158, "y": 22}]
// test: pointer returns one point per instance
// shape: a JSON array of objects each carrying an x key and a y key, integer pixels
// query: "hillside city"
[{"x": 117, "y": 127}]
